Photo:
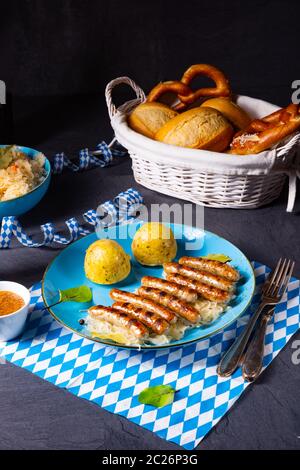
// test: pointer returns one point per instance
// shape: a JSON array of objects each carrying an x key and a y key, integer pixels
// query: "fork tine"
[
  {"x": 272, "y": 276},
  {"x": 266, "y": 284},
  {"x": 287, "y": 279},
  {"x": 280, "y": 278}
]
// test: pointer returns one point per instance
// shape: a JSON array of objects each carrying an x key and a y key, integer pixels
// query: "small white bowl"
[{"x": 12, "y": 325}]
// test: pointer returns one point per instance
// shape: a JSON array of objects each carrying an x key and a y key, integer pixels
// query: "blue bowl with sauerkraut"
[{"x": 25, "y": 176}]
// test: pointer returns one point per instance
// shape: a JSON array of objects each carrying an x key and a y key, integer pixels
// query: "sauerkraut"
[
  {"x": 105, "y": 330},
  {"x": 208, "y": 310},
  {"x": 19, "y": 174}
]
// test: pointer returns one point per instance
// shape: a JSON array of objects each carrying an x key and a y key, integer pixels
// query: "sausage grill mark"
[
  {"x": 212, "y": 266},
  {"x": 122, "y": 296},
  {"x": 198, "y": 275},
  {"x": 207, "y": 292},
  {"x": 156, "y": 323},
  {"x": 183, "y": 309},
  {"x": 172, "y": 288}
]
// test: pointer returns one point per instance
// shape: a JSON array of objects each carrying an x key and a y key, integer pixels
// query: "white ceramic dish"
[{"x": 12, "y": 325}]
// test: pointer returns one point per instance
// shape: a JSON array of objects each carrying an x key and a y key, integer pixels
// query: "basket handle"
[
  {"x": 140, "y": 96},
  {"x": 294, "y": 171}
]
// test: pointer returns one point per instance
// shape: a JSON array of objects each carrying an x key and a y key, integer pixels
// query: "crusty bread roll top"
[
  {"x": 198, "y": 128},
  {"x": 148, "y": 118}
]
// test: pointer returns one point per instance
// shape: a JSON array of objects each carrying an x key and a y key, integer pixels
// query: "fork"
[
  {"x": 272, "y": 292},
  {"x": 253, "y": 361}
]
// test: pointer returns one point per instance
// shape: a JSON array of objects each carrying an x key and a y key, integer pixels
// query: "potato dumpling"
[
  {"x": 154, "y": 244},
  {"x": 106, "y": 262}
]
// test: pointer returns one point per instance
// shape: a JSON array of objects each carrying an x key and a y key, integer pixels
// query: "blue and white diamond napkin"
[{"x": 113, "y": 378}]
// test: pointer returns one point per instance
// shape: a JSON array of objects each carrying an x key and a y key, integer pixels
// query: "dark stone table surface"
[{"x": 38, "y": 415}]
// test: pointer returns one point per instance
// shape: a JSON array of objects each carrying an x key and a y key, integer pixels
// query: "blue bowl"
[{"x": 22, "y": 204}]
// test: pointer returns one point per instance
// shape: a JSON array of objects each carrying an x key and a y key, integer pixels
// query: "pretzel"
[
  {"x": 258, "y": 125},
  {"x": 222, "y": 87},
  {"x": 263, "y": 133},
  {"x": 168, "y": 87}
]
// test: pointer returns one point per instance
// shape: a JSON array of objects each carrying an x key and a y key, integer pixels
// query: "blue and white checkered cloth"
[
  {"x": 87, "y": 159},
  {"x": 113, "y": 378},
  {"x": 121, "y": 210}
]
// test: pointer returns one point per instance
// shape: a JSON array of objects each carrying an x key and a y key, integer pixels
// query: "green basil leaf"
[
  {"x": 217, "y": 257},
  {"x": 76, "y": 294},
  {"x": 158, "y": 396}
]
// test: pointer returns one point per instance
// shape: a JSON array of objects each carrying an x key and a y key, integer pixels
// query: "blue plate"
[
  {"x": 66, "y": 271},
  {"x": 22, "y": 204}
]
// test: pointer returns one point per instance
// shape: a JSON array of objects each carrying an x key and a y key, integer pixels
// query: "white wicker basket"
[{"x": 204, "y": 177}]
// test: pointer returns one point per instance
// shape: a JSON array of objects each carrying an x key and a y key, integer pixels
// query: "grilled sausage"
[
  {"x": 134, "y": 299},
  {"x": 150, "y": 319},
  {"x": 207, "y": 292},
  {"x": 182, "y": 308},
  {"x": 211, "y": 266},
  {"x": 120, "y": 319},
  {"x": 202, "y": 276},
  {"x": 183, "y": 293}
]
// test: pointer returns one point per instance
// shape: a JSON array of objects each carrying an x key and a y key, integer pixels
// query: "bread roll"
[
  {"x": 198, "y": 128},
  {"x": 236, "y": 115},
  {"x": 148, "y": 118}
]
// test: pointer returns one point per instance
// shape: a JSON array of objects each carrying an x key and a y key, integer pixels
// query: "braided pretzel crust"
[
  {"x": 168, "y": 87},
  {"x": 263, "y": 133},
  {"x": 182, "y": 89},
  {"x": 222, "y": 87}
]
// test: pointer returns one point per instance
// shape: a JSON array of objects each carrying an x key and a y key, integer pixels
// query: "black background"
[
  {"x": 56, "y": 58},
  {"x": 59, "y": 52}
]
